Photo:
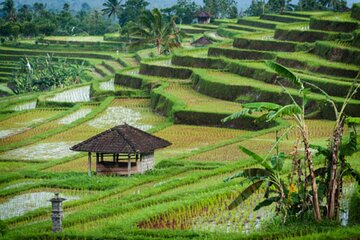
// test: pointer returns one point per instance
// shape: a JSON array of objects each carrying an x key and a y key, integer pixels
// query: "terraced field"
[{"x": 181, "y": 98}]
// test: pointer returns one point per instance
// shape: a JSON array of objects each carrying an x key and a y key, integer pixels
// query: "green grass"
[{"x": 316, "y": 61}]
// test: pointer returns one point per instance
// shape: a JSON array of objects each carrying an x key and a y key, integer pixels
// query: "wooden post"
[
  {"x": 89, "y": 164},
  {"x": 129, "y": 165}
]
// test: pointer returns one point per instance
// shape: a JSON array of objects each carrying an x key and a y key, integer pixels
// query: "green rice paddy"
[{"x": 184, "y": 196}]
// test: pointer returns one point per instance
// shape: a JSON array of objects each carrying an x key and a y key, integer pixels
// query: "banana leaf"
[{"x": 245, "y": 194}]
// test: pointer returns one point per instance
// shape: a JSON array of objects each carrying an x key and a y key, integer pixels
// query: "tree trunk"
[
  {"x": 332, "y": 187},
  {"x": 315, "y": 197},
  {"x": 158, "y": 46}
]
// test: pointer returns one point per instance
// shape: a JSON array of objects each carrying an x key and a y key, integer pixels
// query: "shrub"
[{"x": 3, "y": 228}]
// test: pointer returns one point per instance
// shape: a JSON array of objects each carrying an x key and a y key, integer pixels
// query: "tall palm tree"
[
  {"x": 151, "y": 27},
  {"x": 8, "y": 8},
  {"x": 112, "y": 8}
]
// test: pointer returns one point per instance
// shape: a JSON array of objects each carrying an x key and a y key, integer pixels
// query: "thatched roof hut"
[
  {"x": 203, "y": 17},
  {"x": 201, "y": 42},
  {"x": 130, "y": 150}
]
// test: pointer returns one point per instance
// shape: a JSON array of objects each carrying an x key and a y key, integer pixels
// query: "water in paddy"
[
  {"x": 108, "y": 86},
  {"x": 41, "y": 151},
  {"x": 119, "y": 115},
  {"x": 25, "y": 106},
  {"x": 21, "y": 204},
  {"x": 348, "y": 191},
  {"x": 81, "y": 94},
  {"x": 75, "y": 116},
  {"x": 12, "y": 131}
]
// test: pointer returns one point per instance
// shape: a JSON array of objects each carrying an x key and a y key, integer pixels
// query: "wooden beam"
[
  {"x": 89, "y": 164},
  {"x": 129, "y": 166}
]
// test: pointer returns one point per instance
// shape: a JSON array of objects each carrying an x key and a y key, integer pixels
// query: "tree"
[
  {"x": 112, "y": 8},
  {"x": 257, "y": 8},
  {"x": 151, "y": 27},
  {"x": 337, "y": 148},
  {"x": 336, "y": 5},
  {"x": 297, "y": 113},
  {"x": 185, "y": 10},
  {"x": 132, "y": 10},
  {"x": 278, "y": 6},
  {"x": 220, "y": 8},
  {"x": 24, "y": 14},
  {"x": 9, "y": 10},
  {"x": 308, "y": 5}
]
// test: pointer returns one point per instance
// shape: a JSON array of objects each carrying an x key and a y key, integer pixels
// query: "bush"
[
  {"x": 3, "y": 228},
  {"x": 354, "y": 213}
]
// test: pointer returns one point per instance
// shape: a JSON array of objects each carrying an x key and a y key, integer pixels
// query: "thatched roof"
[
  {"x": 122, "y": 139},
  {"x": 203, "y": 41},
  {"x": 203, "y": 14}
]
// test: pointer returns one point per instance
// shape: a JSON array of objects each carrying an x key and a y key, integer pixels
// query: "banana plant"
[
  {"x": 295, "y": 110},
  {"x": 271, "y": 174},
  {"x": 347, "y": 147}
]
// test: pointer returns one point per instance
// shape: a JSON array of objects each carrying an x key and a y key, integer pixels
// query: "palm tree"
[
  {"x": 112, "y": 8},
  {"x": 152, "y": 28},
  {"x": 8, "y": 9}
]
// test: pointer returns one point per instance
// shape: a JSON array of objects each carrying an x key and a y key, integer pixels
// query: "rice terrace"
[{"x": 181, "y": 119}]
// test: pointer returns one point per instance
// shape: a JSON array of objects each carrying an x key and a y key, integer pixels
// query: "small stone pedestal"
[{"x": 57, "y": 213}]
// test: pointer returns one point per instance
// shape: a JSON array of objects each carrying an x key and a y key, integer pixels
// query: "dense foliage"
[
  {"x": 307, "y": 189},
  {"x": 45, "y": 73},
  {"x": 259, "y": 7},
  {"x": 152, "y": 28},
  {"x": 34, "y": 20}
]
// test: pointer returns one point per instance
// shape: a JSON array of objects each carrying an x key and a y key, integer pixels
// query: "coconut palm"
[
  {"x": 8, "y": 8},
  {"x": 112, "y": 8},
  {"x": 151, "y": 28}
]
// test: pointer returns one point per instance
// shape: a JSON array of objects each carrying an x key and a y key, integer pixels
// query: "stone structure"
[
  {"x": 122, "y": 150},
  {"x": 57, "y": 213}
]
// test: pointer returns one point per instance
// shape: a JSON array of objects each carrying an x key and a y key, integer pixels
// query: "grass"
[
  {"x": 198, "y": 102},
  {"x": 316, "y": 61}
]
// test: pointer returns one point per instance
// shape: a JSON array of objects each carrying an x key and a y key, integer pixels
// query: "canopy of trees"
[
  {"x": 34, "y": 20},
  {"x": 259, "y": 7}
]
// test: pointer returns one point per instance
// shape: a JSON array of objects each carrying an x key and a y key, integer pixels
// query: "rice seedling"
[
  {"x": 186, "y": 138},
  {"x": 18, "y": 184},
  {"x": 8, "y": 167},
  {"x": 20, "y": 126},
  {"x": 77, "y": 165}
]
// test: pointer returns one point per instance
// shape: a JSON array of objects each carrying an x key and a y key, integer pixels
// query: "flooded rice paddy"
[
  {"x": 119, "y": 115},
  {"x": 81, "y": 94},
  {"x": 75, "y": 116},
  {"x": 41, "y": 151},
  {"x": 21, "y": 204}
]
